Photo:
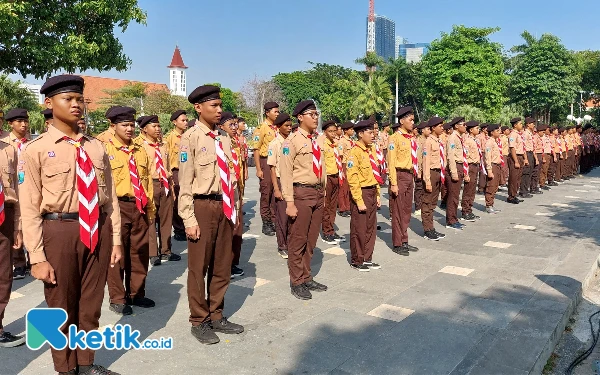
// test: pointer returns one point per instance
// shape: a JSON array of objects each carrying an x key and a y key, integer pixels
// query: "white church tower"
[{"x": 177, "y": 82}]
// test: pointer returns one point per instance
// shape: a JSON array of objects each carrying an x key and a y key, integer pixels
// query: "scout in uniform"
[
  {"x": 424, "y": 132},
  {"x": 62, "y": 166},
  {"x": 364, "y": 181},
  {"x": 457, "y": 170},
  {"x": 383, "y": 143},
  {"x": 546, "y": 156},
  {"x": 433, "y": 176},
  {"x": 505, "y": 152},
  {"x": 481, "y": 141},
  {"x": 516, "y": 160},
  {"x": 347, "y": 143},
  {"x": 473, "y": 159},
  {"x": 284, "y": 126},
  {"x": 179, "y": 120},
  {"x": 160, "y": 170},
  {"x": 208, "y": 209},
  {"x": 47, "y": 118},
  {"x": 11, "y": 237},
  {"x": 263, "y": 135},
  {"x": 552, "y": 176},
  {"x": 131, "y": 168},
  {"x": 18, "y": 120},
  {"x": 571, "y": 152},
  {"x": 243, "y": 144},
  {"x": 109, "y": 133},
  {"x": 403, "y": 167},
  {"x": 578, "y": 145},
  {"x": 303, "y": 188},
  {"x": 448, "y": 130},
  {"x": 332, "y": 158},
  {"x": 493, "y": 160},
  {"x": 529, "y": 161},
  {"x": 538, "y": 154},
  {"x": 378, "y": 151}
]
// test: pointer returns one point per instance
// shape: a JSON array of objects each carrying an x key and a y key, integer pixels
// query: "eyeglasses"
[{"x": 315, "y": 114}]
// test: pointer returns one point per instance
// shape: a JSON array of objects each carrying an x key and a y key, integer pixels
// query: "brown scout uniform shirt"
[
  {"x": 50, "y": 185},
  {"x": 504, "y": 140},
  {"x": 454, "y": 152},
  {"x": 528, "y": 136},
  {"x": 472, "y": 150},
  {"x": 172, "y": 142},
  {"x": 198, "y": 168},
  {"x": 10, "y": 179},
  {"x": 515, "y": 141},
  {"x": 11, "y": 139},
  {"x": 329, "y": 162},
  {"x": 420, "y": 147},
  {"x": 431, "y": 158},
  {"x": 274, "y": 157},
  {"x": 106, "y": 135},
  {"x": 384, "y": 140},
  {"x": 151, "y": 151},
  {"x": 263, "y": 136},
  {"x": 360, "y": 171},
  {"x": 297, "y": 164},
  {"x": 538, "y": 144},
  {"x": 399, "y": 155},
  {"x": 346, "y": 144},
  {"x": 547, "y": 144},
  {"x": 492, "y": 154}
]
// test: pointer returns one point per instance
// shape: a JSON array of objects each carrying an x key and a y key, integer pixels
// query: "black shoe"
[
  {"x": 546, "y": 187},
  {"x": 410, "y": 247},
  {"x": 379, "y": 227},
  {"x": 329, "y": 239},
  {"x": 513, "y": 200},
  {"x": 180, "y": 237},
  {"x": 347, "y": 214},
  {"x": 301, "y": 292},
  {"x": 143, "y": 302},
  {"x": 172, "y": 257},
  {"x": 552, "y": 183},
  {"x": 430, "y": 235},
  {"x": 267, "y": 230},
  {"x": 468, "y": 217},
  {"x": 480, "y": 192},
  {"x": 440, "y": 235},
  {"x": 339, "y": 238},
  {"x": 8, "y": 340},
  {"x": 317, "y": 287},
  {"x": 155, "y": 261},
  {"x": 537, "y": 192},
  {"x": 283, "y": 253},
  {"x": 19, "y": 273},
  {"x": 272, "y": 225},
  {"x": 121, "y": 308},
  {"x": 476, "y": 217},
  {"x": 372, "y": 266},
  {"x": 443, "y": 206},
  {"x": 96, "y": 370},
  {"x": 360, "y": 267},
  {"x": 526, "y": 195},
  {"x": 236, "y": 272},
  {"x": 401, "y": 250},
  {"x": 205, "y": 334},
  {"x": 225, "y": 326}
]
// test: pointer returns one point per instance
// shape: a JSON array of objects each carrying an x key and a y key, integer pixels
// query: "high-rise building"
[
  {"x": 411, "y": 52},
  {"x": 385, "y": 32}
]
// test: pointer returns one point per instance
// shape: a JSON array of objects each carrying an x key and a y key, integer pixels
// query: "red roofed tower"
[{"x": 177, "y": 81}]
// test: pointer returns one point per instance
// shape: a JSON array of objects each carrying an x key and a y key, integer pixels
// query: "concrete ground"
[{"x": 491, "y": 299}]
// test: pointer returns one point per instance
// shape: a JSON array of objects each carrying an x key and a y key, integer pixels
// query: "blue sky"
[{"x": 230, "y": 41}]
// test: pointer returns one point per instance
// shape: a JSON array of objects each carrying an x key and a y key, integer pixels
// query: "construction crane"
[{"x": 371, "y": 27}]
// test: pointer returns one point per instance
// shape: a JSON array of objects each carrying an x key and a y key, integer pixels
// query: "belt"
[
  {"x": 404, "y": 170},
  {"x": 263, "y": 157},
  {"x": 61, "y": 216},
  {"x": 497, "y": 164},
  {"x": 209, "y": 197},
  {"x": 156, "y": 179},
  {"x": 436, "y": 169},
  {"x": 126, "y": 199},
  {"x": 473, "y": 163},
  {"x": 313, "y": 186},
  {"x": 333, "y": 175},
  {"x": 174, "y": 169},
  {"x": 369, "y": 187},
  {"x": 529, "y": 152}
]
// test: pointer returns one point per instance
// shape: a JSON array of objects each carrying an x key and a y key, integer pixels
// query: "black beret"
[
  {"x": 281, "y": 119},
  {"x": 177, "y": 113},
  {"x": 447, "y": 126},
  {"x": 204, "y": 93},
  {"x": 396, "y": 125},
  {"x": 484, "y": 125},
  {"x": 295, "y": 126},
  {"x": 515, "y": 120},
  {"x": 241, "y": 119},
  {"x": 303, "y": 106},
  {"x": 270, "y": 105},
  {"x": 529, "y": 120},
  {"x": 121, "y": 114},
  {"x": 16, "y": 113},
  {"x": 404, "y": 111},
  {"x": 504, "y": 128},
  {"x": 62, "y": 83},
  {"x": 347, "y": 125},
  {"x": 587, "y": 126},
  {"x": 492, "y": 127},
  {"x": 435, "y": 121},
  {"x": 561, "y": 129},
  {"x": 578, "y": 126},
  {"x": 139, "y": 119},
  {"x": 148, "y": 120},
  {"x": 457, "y": 120},
  {"x": 226, "y": 116},
  {"x": 191, "y": 123},
  {"x": 363, "y": 124},
  {"x": 472, "y": 124},
  {"x": 47, "y": 114},
  {"x": 327, "y": 124},
  {"x": 541, "y": 127},
  {"x": 110, "y": 110}
]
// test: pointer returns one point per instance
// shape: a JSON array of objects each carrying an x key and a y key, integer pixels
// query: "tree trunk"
[{"x": 396, "y": 119}]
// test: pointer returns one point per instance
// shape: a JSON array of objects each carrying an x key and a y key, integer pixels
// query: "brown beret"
[
  {"x": 347, "y": 125},
  {"x": 226, "y": 116},
  {"x": 529, "y": 120},
  {"x": 363, "y": 124},
  {"x": 270, "y": 105},
  {"x": 327, "y": 124},
  {"x": 472, "y": 124},
  {"x": 492, "y": 127}
]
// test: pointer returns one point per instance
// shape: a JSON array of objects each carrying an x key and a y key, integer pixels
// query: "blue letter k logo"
[{"x": 43, "y": 324}]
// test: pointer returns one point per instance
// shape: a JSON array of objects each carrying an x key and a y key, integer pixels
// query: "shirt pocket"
[
  {"x": 118, "y": 170},
  {"x": 57, "y": 177},
  {"x": 205, "y": 165},
  {"x": 7, "y": 177}
]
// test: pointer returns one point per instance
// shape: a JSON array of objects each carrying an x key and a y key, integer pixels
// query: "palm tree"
[
  {"x": 371, "y": 60},
  {"x": 395, "y": 67},
  {"x": 374, "y": 97}
]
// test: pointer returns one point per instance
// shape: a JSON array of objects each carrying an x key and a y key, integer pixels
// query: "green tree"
[
  {"x": 41, "y": 37},
  {"x": 371, "y": 61},
  {"x": 544, "y": 81},
  {"x": 469, "y": 113},
  {"x": 159, "y": 102},
  {"x": 407, "y": 78},
  {"x": 327, "y": 75},
  {"x": 339, "y": 102},
  {"x": 130, "y": 95},
  {"x": 297, "y": 86},
  {"x": 464, "y": 67},
  {"x": 232, "y": 101},
  {"x": 374, "y": 97},
  {"x": 13, "y": 95}
]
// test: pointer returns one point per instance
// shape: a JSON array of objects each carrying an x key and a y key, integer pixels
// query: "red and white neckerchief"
[
  {"x": 481, "y": 163},
  {"x": 374, "y": 166},
  {"x": 413, "y": 152},
  {"x": 499, "y": 143},
  {"x": 316, "y": 151},
  {"x": 465, "y": 163},
  {"x": 380, "y": 159},
  {"x": 442, "y": 161},
  {"x": 2, "y": 198},
  {"x": 141, "y": 200},
  {"x": 236, "y": 162},
  {"x": 338, "y": 162},
  {"x": 226, "y": 184},
  {"x": 160, "y": 166},
  {"x": 559, "y": 144},
  {"x": 87, "y": 192},
  {"x": 20, "y": 143},
  {"x": 523, "y": 139}
]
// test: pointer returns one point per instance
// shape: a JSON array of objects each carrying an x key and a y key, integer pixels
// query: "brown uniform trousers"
[
  {"x": 164, "y": 220},
  {"x": 344, "y": 195},
  {"x": 400, "y": 206},
  {"x": 526, "y": 173},
  {"x": 281, "y": 222},
  {"x": 504, "y": 179},
  {"x": 536, "y": 171},
  {"x": 559, "y": 169},
  {"x": 331, "y": 198},
  {"x": 492, "y": 185},
  {"x": 80, "y": 281},
  {"x": 267, "y": 211},
  {"x": 6, "y": 266},
  {"x": 210, "y": 254},
  {"x": 430, "y": 200},
  {"x": 469, "y": 190},
  {"x": 362, "y": 227},
  {"x": 482, "y": 180},
  {"x": 178, "y": 226},
  {"x": 309, "y": 202},
  {"x": 552, "y": 169},
  {"x": 453, "y": 193},
  {"x": 128, "y": 280},
  {"x": 418, "y": 196},
  {"x": 544, "y": 169},
  {"x": 237, "y": 240},
  {"x": 444, "y": 191},
  {"x": 571, "y": 163},
  {"x": 514, "y": 177}
]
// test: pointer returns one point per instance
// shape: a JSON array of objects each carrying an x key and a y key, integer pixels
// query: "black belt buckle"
[
  {"x": 126, "y": 199},
  {"x": 314, "y": 186},
  {"x": 61, "y": 216},
  {"x": 210, "y": 197}
]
